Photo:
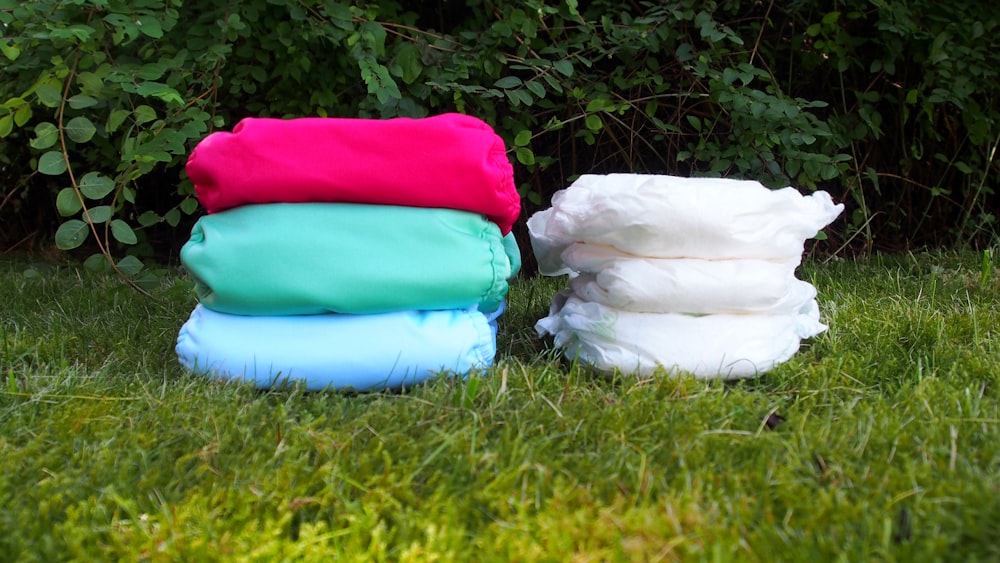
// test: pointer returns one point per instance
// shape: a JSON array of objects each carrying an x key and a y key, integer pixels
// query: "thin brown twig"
[
  {"x": 6, "y": 199},
  {"x": 915, "y": 183},
  {"x": 760, "y": 35},
  {"x": 101, "y": 244}
]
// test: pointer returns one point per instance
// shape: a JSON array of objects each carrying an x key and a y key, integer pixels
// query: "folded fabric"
[
  {"x": 333, "y": 351},
  {"x": 451, "y": 160},
  {"x": 513, "y": 252},
  {"x": 685, "y": 285},
  {"x": 672, "y": 217},
  {"x": 724, "y": 345},
  {"x": 313, "y": 258}
]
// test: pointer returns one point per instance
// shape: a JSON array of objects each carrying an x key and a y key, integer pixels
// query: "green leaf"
[
  {"x": 99, "y": 214},
  {"x": 829, "y": 172},
  {"x": 150, "y": 26},
  {"x": 46, "y": 135},
  {"x": 831, "y": 18},
  {"x": 81, "y": 101},
  {"x": 535, "y": 88},
  {"x": 123, "y": 232},
  {"x": 340, "y": 14},
  {"x": 148, "y": 280},
  {"x": 71, "y": 234},
  {"x": 685, "y": 52},
  {"x": 52, "y": 163},
  {"x": 523, "y": 138},
  {"x": 12, "y": 52},
  {"x": 729, "y": 75},
  {"x": 149, "y": 218},
  {"x": 553, "y": 83},
  {"x": 130, "y": 265},
  {"x": 189, "y": 205},
  {"x": 152, "y": 71},
  {"x": 77, "y": 31},
  {"x": 792, "y": 167},
  {"x": 597, "y": 104},
  {"x": 96, "y": 263},
  {"x": 519, "y": 97},
  {"x": 695, "y": 122},
  {"x": 374, "y": 35},
  {"x": 22, "y": 115},
  {"x": 378, "y": 80},
  {"x": 258, "y": 74},
  {"x": 125, "y": 28},
  {"x": 95, "y": 186},
  {"x": 67, "y": 202},
  {"x": 49, "y": 95},
  {"x": 564, "y": 67},
  {"x": 144, "y": 114},
  {"x": 80, "y": 129},
  {"x": 6, "y": 125},
  {"x": 90, "y": 81},
  {"x": 172, "y": 217},
  {"x": 593, "y": 122},
  {"x": 508, "y": 82},
  {"x": 525, "y": 156},
  {"x": 409, "y": 63},
  {"x": 159, "y": 90},
  {"x": 115, "y": 119}
]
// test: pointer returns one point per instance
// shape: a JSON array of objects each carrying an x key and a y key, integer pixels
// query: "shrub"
[{"x": 891, "y": 106}]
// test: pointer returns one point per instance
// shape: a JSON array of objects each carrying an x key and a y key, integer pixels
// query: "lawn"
[{"x": 880, "y": 440}]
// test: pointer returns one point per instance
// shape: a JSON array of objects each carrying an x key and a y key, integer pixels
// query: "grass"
[{"x": 880, "y": 440}]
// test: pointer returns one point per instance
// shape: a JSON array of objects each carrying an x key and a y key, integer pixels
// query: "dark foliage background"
[{"x": 891, "y": 106}]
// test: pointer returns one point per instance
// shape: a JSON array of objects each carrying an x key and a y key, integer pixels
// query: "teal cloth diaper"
[{"x": 314, "y": 258}]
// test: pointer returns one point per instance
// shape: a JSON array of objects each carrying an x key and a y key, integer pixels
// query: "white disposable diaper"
[
  {"x": 660, "y": 216},
  {"x": 687, "y": 274},
  {"x": 722, "y": 345},
  {"x": 685, "y": 285}
]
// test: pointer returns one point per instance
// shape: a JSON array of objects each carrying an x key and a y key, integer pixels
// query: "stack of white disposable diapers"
[
  {"x": 688, "y": 274},
  {"x": 349, "y": 253}
]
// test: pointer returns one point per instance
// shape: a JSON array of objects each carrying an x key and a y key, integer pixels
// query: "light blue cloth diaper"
[{"x": 338, "y": 351}]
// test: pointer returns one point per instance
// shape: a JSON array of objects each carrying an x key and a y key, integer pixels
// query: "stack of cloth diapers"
[
  {"x": 349, "y": 253},
  {"x": 687, "y": 274}
]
